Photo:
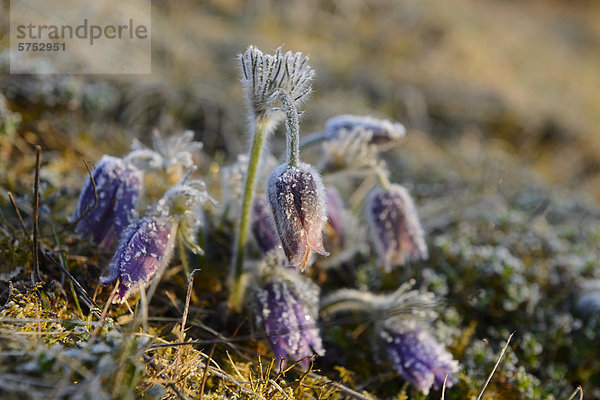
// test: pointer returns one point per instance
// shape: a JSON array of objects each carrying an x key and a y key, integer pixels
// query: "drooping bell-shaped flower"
[
  {"x": 146, "y": 247},
  {"x": 400, "y": 331},
  {"x": 118, "y": 186},
  {"x": 417, "y": 355},
  {"x": 145, "y": 250},
  {"x": 285, "y": 307},
  {"x": 381, "y": 131},
  {"x": 263, "y": 226},
  {"x": 298, "y": 204},
  {"x": 394, "y": 226}
]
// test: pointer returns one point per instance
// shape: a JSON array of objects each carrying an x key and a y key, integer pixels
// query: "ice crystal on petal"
[
  {"x": 298, "y": 204},
  {"x": 144, "y": 252},
  {"x": 394, "y": 226},
  {"x": 263, "y": 74},
  {"x": 118, "y": 188},
  {"x": 417, "y": 355},
  {"x": 285, "y": 307}
]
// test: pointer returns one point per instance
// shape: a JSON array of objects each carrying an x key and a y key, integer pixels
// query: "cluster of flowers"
[
  {"x": 107, "y": 211},
  {"x": 295, "y": 217}
]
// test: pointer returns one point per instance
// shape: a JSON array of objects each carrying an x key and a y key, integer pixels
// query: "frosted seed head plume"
[
  {"x": 183, "y": 203},
  {"x": 143, "y": 254},
  {"x": 298, "y": 205},
  {"x": 263, "y": 74},
  {"x": 394, "y": 226}
]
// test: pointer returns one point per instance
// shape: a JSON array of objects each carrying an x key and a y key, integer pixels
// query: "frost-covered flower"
[
  {"x": 335, "y": 228},
  {"x": 400, "y": 331},
  {"x": 417, "y": 355},
  {"x": 146, "y": 247},
  {"x": 263, "y": 227},
  {"x": 144, "y": 252},
  {"x": 380, "y": 131},
  {"x": 285, "y": 308},
  {"x": 394, "y": 226},
  {"x": 118, "y": 188},
  {"x": 264, "y": 74},
  {"x": 354, "y": 141},
  {"x": 298, "y": 204}
]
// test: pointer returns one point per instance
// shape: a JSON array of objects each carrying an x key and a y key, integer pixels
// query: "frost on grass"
[{"x": 298, "y": 204}]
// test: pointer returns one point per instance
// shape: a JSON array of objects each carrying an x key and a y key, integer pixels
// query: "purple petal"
[
  {"x": 143, "y": 253},
  {"x": 263, "y": 227},
  {"x": 395, "y": 227}
]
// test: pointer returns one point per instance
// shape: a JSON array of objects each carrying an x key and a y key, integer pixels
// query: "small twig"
[
  {"x": 580, "y": 390},
  {"x": 495, "y": 366},
  {"x": 14, "y": 204},
  {"x": 35, "y": 274},
  {"x": 206, "y": 365},
  {"x": 105, "y": 310},
  {"x": 187, "y": 303},
  {"x": 95, "y": 203}
]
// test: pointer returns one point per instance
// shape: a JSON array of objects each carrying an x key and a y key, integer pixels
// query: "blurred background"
[{"x": 521, "y": 78}]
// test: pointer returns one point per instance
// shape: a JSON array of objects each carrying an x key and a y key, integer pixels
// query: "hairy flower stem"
[
  {"x": 236, "y": 279},
  {"x": 293, "y": 129}
]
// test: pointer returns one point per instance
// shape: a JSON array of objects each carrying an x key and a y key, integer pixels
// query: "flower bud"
[
  {"x": 418, "y": 356},
  {"x": 118, "y": 188},
  {"x": 144, "y": 252},
  {"x": 263, "y": 227},
  {"x": 394, "y": 226},
  {"x": 287, "y": 313},
  {"x": 298, "y": 204}
]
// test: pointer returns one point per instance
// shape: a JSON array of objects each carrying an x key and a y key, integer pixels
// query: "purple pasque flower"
[
  {"x": 381, "y": 131},
  {"x": 298, "y": 204},
  {"x": 285, "y": 307},
  {"x": 144, "y": 252},
  {"x": 146, "y": 247},
  {"x": 263, "y": 226},
  {"x": 417, "y": 355},
  {"x": 118, "y": 188},
  {"x": 335, "y": 229},
  {"x": 394, "y": 226}
]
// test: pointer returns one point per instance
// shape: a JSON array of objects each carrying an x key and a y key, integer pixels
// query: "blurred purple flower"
[
  {"x": 144, "y": 252},
  {"x": 394, "y": 226},
  {"x": 298, "y": 205},
  {"x": 118, "y": 187},
  {"x": 382, "y": 131},
  {"x": 288, "y": 320},
  {"x": 263, "y": 227},
  {"x": 417, "y": 356},
  {"x": 335, "y": 229}
]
